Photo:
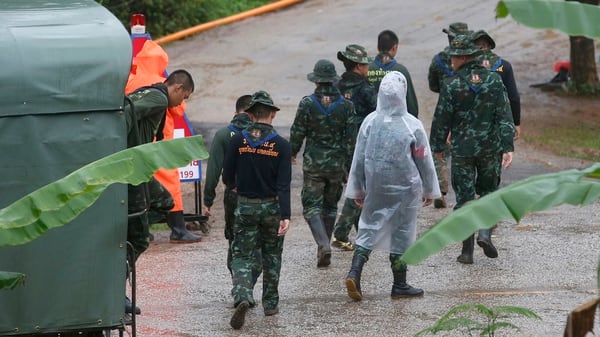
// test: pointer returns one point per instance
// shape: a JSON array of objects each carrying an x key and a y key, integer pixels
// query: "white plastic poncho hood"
[{"x": 392, "y": 170}]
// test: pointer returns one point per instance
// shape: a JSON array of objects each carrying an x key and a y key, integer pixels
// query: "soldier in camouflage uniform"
[
  {"x": 384, "y": 62},
  {"x": 150, "y": 104},
  {"x": 439, "y": 69},
  {"x": 258, "y": 166},
  {"x": 214, "y": 167},
  {"x": 144, "y": 123},
  {"x": 355, "y": 86},
  {"x": 326, "y": 120},
  {"x": 474, "y": 108},
  {"x": 493, "y": 62}
]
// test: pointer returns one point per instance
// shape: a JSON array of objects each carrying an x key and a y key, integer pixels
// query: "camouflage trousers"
[
  {"x": 256, "y": 227},
  {"x": 441, "y": 169},
  {"x": 158, "y": 206},
  {"x": 475, "y": 175},
  {"x": 348, "y": 219},
  {"x": 321, "y": 193},
  {"x": 229, "y": 205},
  {"x": 396, "y": 263}
]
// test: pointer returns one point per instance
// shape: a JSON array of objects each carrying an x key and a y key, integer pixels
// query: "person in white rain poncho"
[{"x": 392, "y": 173}]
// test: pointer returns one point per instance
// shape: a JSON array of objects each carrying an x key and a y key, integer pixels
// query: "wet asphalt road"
[{"x": 547, "y": 262}]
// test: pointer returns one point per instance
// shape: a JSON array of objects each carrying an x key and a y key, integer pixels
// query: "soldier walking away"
[
  {"x": 355, "y": 86},
  {"x": 392, "y": 173},
  {"x": 384, "y": 62},
  {"x": 326, "y": 120},
  {"x": 474, "y": 108},
  {"x": 439, "y": 69},
  {"x": 258, "y": 166},
  {"x": 214, "y": 168},
  {"x": 495, "y": 63}
]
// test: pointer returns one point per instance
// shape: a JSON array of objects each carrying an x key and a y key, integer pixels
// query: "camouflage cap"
[
  {"x": 456, "y": 28},
  {"x": 354, "y": 53},
  {"x": 482, "y": 34},
  {"x": 323, "y": 72},
  {"x": 261, "y": 97},
  {"x": 462, "y": 45}
]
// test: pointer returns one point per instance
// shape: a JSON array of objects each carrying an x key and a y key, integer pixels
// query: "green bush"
[
  {"x": 478, "y": 320},
  {"x": 164, "y": 17}
]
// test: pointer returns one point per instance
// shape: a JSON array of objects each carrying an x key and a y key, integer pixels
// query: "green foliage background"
[{"x": 164, "y": 17}]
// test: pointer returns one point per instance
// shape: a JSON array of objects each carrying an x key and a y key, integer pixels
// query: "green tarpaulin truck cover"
[{"x": 64, "y": 68}]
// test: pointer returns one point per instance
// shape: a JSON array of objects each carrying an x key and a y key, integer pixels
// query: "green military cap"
[
  {"x": 456, "y": 28},
  {"x": 323, "y": 72},
  {"x": 482, "y": 34},
  {"x": 462, "y": 45},
  {"x": 261, "y": 97},
  {"x": 354, "y": 53}
]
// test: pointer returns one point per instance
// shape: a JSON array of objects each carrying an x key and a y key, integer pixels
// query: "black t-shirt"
[{"x": 258, "y": 163}]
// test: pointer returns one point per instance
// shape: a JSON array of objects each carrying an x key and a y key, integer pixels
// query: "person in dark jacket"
[
  {"x": 495, "y": 63},
  {"x": 214, "y": 167},
  {"x": 258, "y": 165},
  {"x": 355, "y": 86},
  {"x": 384, "y": 63}
]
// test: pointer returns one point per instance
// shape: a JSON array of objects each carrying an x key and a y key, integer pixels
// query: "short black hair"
[
  {"x": 183, "y": 77},
  {"x": 260, "y": 111},
  {"x": 242, "y": 103},
  {"x": 349, "y": 65},
  {"x": 386, "y": 41}
]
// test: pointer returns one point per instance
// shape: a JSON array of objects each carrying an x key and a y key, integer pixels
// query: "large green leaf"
[
  {"x": 570, "y": 17},
  {"x": 60, "y": 202},
  {"x": 10, "y": 280},
  {"x": 537, "y": 193}
]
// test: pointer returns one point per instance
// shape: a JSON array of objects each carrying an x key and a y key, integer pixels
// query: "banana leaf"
[
  {"x": 536, "y": 193},
  {"x": 570, "y": 17},
  {"x": 59, "y": 202},
  {"x": 10, "y": 280}
]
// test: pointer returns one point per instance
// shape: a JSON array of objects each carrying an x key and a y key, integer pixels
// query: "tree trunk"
[
  {"x": 583, "y": 62},
  {"x": 584, "y": 74}
]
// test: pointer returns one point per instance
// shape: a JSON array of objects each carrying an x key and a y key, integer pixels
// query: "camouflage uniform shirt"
[
  {"x": 217, "y": 154},
  {"x": 379, "y": 68},
  {"x": 473, "y": 106},
  {"x": 150, "y": 108},
  {"x": 497, "y": 64},
  {"x": 358, "y": 89},
  {"x": 326, "y": 120},
  {"x": 439, "y": 69}
]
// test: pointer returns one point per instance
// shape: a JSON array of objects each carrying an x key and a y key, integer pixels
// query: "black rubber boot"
[
  {"x": 320, "y": 235},
  {"x": 353, "y": 277},
  {"x": 466, "y": 256},
  {"x": 179, "y": 233},
  {"x": 129, "y": 307},
  {"x": 484, "y": 240},
  {"x": 329, "y": 223},
  {"x": 401, "y": 289},
  {"x": 239, "y": 316}
]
